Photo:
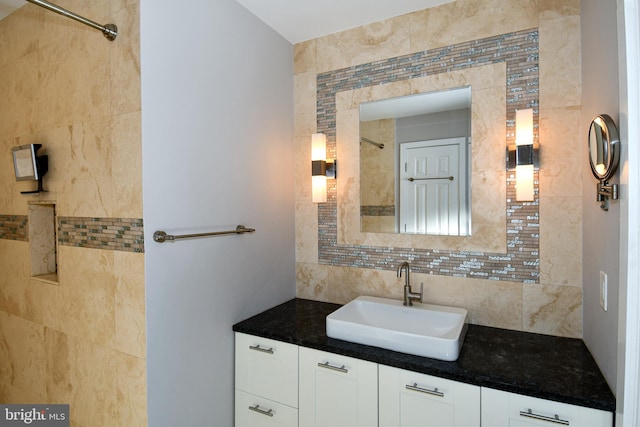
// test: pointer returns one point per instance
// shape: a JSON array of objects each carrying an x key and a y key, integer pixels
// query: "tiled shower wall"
[
  {"x": 535, "y": 284},
  {"x": 79, "y": 339}
]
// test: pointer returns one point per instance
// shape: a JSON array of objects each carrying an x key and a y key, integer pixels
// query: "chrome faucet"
[{"x": 409, "y": 296}]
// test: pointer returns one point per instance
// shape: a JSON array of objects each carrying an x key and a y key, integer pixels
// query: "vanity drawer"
[
  {"x": 502, "y": 409},
  {"x": 409, "y": 398},
  {"x": 256, "y": 411},
  {"x": 267, "y": 368}
]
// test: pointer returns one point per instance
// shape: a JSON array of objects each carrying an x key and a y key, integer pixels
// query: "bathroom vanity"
[{"x": 289, "y": 373}]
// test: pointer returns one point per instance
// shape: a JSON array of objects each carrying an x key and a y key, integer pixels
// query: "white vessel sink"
[{"x": 424, "y": 330}]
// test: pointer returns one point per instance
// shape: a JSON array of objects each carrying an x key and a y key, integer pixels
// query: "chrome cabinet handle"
[
  {"x": 433, "y": 392},
  {"x": 555, "y": 419},
  {"x": 334, "y": 368},
  {"x": 261, "y": 349},
  {"x": 260, "y": 411}
]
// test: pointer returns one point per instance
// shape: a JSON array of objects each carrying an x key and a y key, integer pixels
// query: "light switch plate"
[{"x": 603, "y": 290}]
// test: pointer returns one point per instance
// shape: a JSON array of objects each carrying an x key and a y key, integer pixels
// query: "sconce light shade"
[
  {"x": 321, "y": 169},
  {"x": 318, "y": 168},
  {"x": 524, "y": 156}
]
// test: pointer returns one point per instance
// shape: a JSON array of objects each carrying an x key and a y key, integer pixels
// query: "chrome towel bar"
[
  {"x": 377, "y": 144},
  {"x": 161, "y": 237}
]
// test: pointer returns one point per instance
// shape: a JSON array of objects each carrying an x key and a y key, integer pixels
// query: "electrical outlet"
[{"x": 603, "y": 290}]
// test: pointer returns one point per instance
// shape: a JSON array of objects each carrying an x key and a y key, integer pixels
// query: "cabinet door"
[
  {"x": 337, "y": 391},
  {"x": 409, "y": 399},
  {"x": 267, "y": 368},
  {"x": 502, "y": 409},
  {"x": 255, "y": 411}
]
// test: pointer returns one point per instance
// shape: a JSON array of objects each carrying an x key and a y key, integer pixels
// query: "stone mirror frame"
[{"x": 488, "y": 174}]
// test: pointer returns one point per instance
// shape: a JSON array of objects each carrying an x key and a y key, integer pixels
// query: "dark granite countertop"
[{"x": 554, "y": 368}]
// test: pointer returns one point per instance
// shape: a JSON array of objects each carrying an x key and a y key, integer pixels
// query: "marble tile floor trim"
[{"x": 521, "y": 262}]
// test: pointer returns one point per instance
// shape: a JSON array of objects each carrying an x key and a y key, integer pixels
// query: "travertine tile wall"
[
  {"x": 552, "y": 302},
  {"x": 81, "y": 341}
]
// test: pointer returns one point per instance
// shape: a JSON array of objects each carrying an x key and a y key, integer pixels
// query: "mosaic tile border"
[
  {"x": 117, "y": 234},
  {"x": 14, "y": 227},
  {"x": 521, "y": 262},
  {"x": 377, "y": 210}
]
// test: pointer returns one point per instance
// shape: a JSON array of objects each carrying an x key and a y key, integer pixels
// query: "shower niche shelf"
[{"x": 43, "y": 242}]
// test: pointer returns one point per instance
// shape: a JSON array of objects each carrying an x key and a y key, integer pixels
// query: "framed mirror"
[
  {"x": 415, "y": 160},
  {"x": 604, "y": 156}
]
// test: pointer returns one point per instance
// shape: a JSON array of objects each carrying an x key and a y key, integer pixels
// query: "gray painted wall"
[
  {"x": 445, "y": 124},
  {"x": 601, "y": 230},
  {"x": 217, "y": 125}
]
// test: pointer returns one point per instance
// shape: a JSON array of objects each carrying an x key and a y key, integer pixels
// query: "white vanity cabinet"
[
  {"x": 284, "y": 385},
  {"x": 337, "y": 391},
  {"x": 266, "y": 382},
  {"x": 502, "y": 409},
  {"x": 412, "y": 399}
]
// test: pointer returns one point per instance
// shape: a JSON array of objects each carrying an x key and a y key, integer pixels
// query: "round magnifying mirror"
[{"x": 604, "y": 152}]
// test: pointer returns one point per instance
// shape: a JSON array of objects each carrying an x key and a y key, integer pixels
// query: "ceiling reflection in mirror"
[{"x": 415, "y": 164}]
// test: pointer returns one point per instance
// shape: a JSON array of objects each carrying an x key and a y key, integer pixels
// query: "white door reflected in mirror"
[
  {"x": 433, "y": 196},
  {"x": 415, "y": 164}
]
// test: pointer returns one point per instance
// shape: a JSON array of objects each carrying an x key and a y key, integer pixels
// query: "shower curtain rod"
[{"x": 110, "y": 31}]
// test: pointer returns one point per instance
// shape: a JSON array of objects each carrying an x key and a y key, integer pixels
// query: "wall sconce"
[
  {"x": 28, "y": 166},
  {"x": 321, "y": 169},
  {"x": 524, "y": 156}
]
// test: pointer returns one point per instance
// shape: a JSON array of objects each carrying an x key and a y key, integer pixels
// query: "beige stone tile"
[
  {"x": 306, "y": 217},
  {"x": 14, "y": 273},
  {"x": 347, "y": 283},
  {"x": 80, "y": 169},
  {"x": 465, "y": 20},
  {"x": 85, "y": 376},
  {"x": 124, "y": 61},
  {"x": 552, "y": 9},
  {"x": 488, "y": 302},
  {"x": 74, "y": 84},
  {"x": 304, "y": 57},
  {"x": 10, "y": 394},
  {"x": 58, "y": 379},
  {"x": 131, "y": 391},
  {"x": 302, "y": 172},
  {"x": 560, "y": 63},
  {"x": 312, "y": 281},
  {"x": 85, "y": 305},
  {"x": 118, "y": 5},
  {"x": 562, "y": 152},
  {"x": 553, "y": 310},
  {"x": 561, "y": 241},
  {"x": 18, "y": 38},
  {"x": 364, "y": 44},
  {"x": 19, "y": 91},
  {"x": 130, "y": 326},
  {"x": 304, "y": 89},
  {"x": 22, "y": 359},
  {"x": 125, "y": 153}
]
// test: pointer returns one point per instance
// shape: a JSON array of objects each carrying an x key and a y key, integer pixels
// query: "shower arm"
[{"x": 110, "y": 31}]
